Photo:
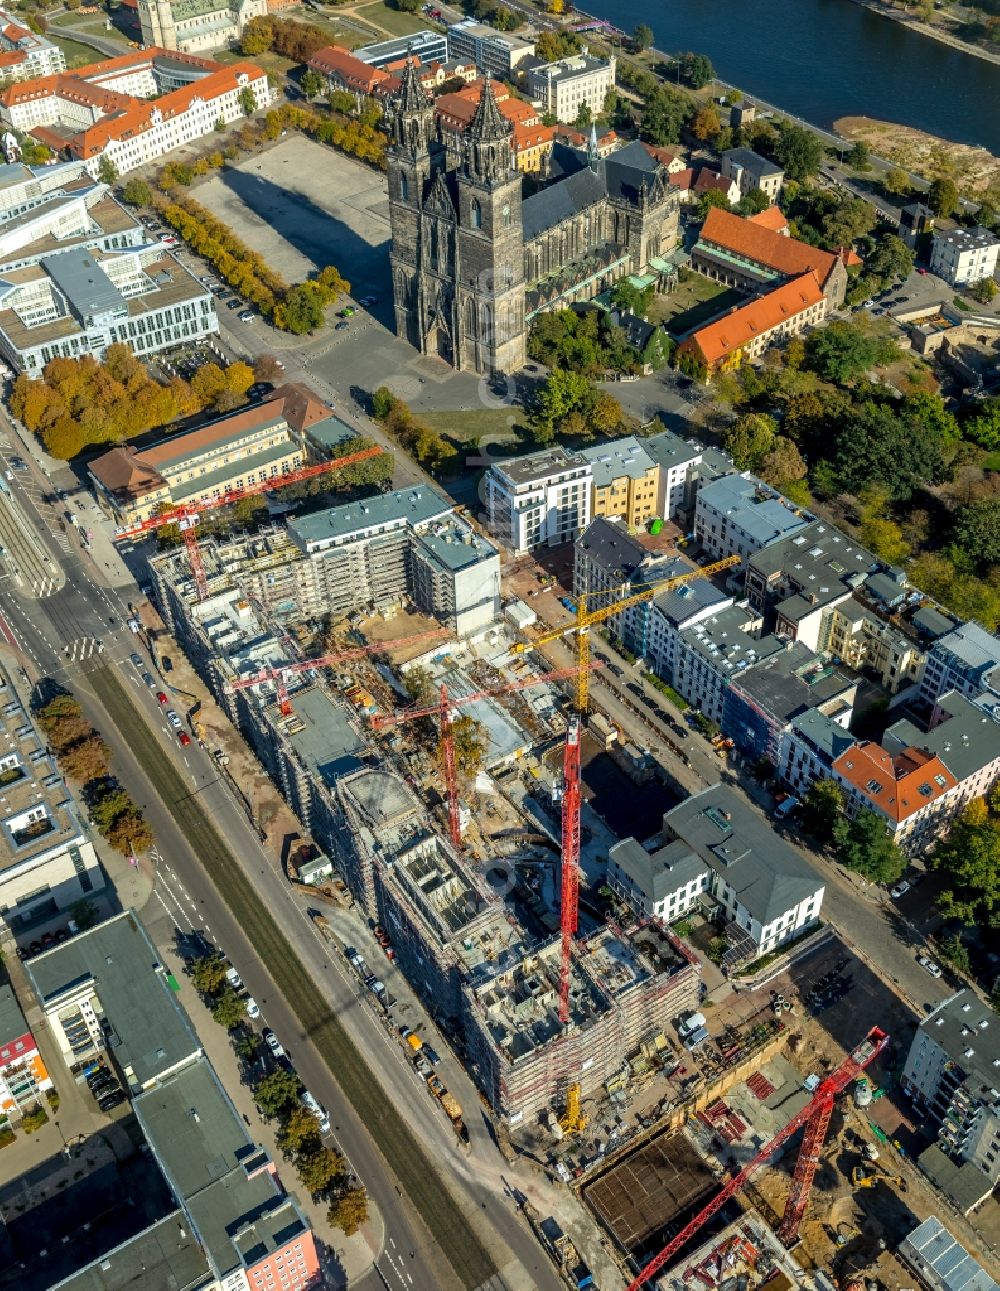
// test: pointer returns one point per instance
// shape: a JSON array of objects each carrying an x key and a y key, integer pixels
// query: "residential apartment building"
[
  {"x": 243, "y": 448},
  {"x": 748, "y": 330},
  {"x": 963, "y": 257},
  {"x": 25, "y": 54},
  {"x": 911, "y": 789},
  {"x": 47, "y": 858},
  {"x": 424, "y": 47},
  {"x": 794, "y": 582},
  {"x": 966, "y": 660},
  {"x": 720, "y": 853},
  {"x": 737, "y": 515},
  {"x": 950, "y": 1074},
  {"x": 80, "y": 302},
  {"x": 229, "y": 1222},
  {"x": 711, "y": 652},
  {"x": 345, "y": 71},
  {"x": 396, "y": 546},
  {"x": 83, "y": 216},
  {"x": 540, "y": 500},
  {"x": 23, "y": 1075},
  {"x": 809, "y": 746},
  {"x": 761, "y": 702},
  {"x": 626, "y": 482},
  {"x": 674, "y": 611},
  {"x": 196, "y": 28},
  {"x": 564, "y": 87},
  {"x": 753, "y": 173},
  {"x": 498, "y": 53},
  {"x": 941, "y": 1262},
  {"x": 531, "y": 141},
  {"x": 134, "y": 108},
  {"x": 867, "y": 641},
  {"x": 676, "y": 458}
]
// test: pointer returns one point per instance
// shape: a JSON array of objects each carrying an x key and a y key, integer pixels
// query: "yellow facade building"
[{"x": 626, "y": 482}]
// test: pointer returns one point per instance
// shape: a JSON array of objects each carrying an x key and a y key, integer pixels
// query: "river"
[{"x": 824, "y": 59}]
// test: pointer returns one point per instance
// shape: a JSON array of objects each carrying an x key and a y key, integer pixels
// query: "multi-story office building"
[
  {"x": 964, "y": 256},
  {"x": 82, "y": 216},
  {"x": 626, "y": 482},
  {"x": 47, "y": 859},
  {"x": 539, "y": 500},
  {"x": 80, "y": 302},
  {"x": 564, "y": 87},
  {"x": 132, "y": 109},
  {"x": 966, "y": 660},
  {"x": 25, "y": 54},
  {"x": 424, "y": 47},
  {"x": 250, "y": 446},
  {"x": 737, "y": 515},
  {"x": 498, "y": 53},
  {"x": 23, "y": 1075},
  {"x": 951, "y": 1074}
]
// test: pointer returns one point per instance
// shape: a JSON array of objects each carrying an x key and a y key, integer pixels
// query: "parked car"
[
  {"x": 253, "y": 1008},
  {"x": 184, "y": 738},
  {"x": 136, "y": 660},
  {"x": 149, "y": 679},
  {"x": 347, "y": 312},
  {"x": 234, "y": 304},
  {"x": 930, "y": 965},
  {"x": 234, "y": 979},
  {"x": 173, "y": 719},
  {"x": 112, "y": 1101},
  {"x": 341, "y": 327},
  {"x": 274, "y": 1044},
  {"x": 161, "y": 697},
  {"x": 901, "y": 888}
]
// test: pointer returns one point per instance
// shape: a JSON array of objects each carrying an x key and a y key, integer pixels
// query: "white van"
[
  {"x": 318, "y": 1110},
  {"x": 692, "y": 1023}
]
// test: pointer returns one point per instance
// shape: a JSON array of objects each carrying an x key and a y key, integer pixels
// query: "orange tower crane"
[
  {"x": 586, "y": 618},
  {"x": 442, "y": 710},
  {"x": 815, "y": 1116},
  {"x": 283, "y": 672},
  {"x": 186, "y": 516}
]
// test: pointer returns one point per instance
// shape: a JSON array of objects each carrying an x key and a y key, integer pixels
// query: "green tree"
[
  {"x": 229, "y": 1009},
  {"x": 865, "y": 845},
  {"x": 749, "y": 440},
  {"x": 752, "y": 203},
  {"x": 276, "y": 1092},
  {"x": 107, "y": 171},
  {"x": 822, "y": 809},
  {"x": 984, "y": 291},
  {"x": 630, "y": 299},
  {"x": 942, "y": 197},
  {"x": 799, "y": 151},
  {"x": 248, "y": 101},
  {"x": 897, "y": 182},
  {"x": 890, "y": 261},
  {"x": 876, "y": 445},
  {"x": 969, "y": 858},
  {"x": 471, "y": 743},
  {"x": 300, "y": 1132},
  {"x": 302, "y": 309},
  {"x": 696, "y": 70},
  {"x": 349, "y": 1210},
  {"x": 383, "y": 401},
  {"x": 311, "y": 83},
  {"x": 642, "y": 37},
  {"x": 136, "y": 192},
  {"x": 319, "y": 1170},
  {"x": 977, "y": 532},
  {"x": 83, "y": 913},
  {"x": 850, "y": 221},
  {"x": 63, "y": 722},
  {"x": 954, "y": 950},
  {"x": 984, "y": 428},
  {"x": 664, "y": 113},
  {"x": 713, "y": 197},
  {"x": 859, "y": 156},
  {"x": 783, "y": 464},
  {"x": 843, "y": 350},
  {"x": 584, "y": 117},
  {"x": 419, "y": 685},
  {"x": 208, "y": 974},
  {"x": 563, "y": 393},
  {"x": 987, "y": 215}
]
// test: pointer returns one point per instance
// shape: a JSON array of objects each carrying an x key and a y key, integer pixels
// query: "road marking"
[{"x": 168, "y": 911}]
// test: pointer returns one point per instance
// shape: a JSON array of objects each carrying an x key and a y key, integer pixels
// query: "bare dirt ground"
[{"x": 976, "y": 171}]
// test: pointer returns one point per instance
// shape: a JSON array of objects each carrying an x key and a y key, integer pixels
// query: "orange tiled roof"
[
  {"x": 663, "y": 155},
  {"x": 682, "y": 179},
  {"x": 14, "y": 31},
  {"x": 720, "y": 339},
  {"x": 11, "y": 58},
  {"x": 334, "y": 60},
  {"x": 765, "y": 246},
  {"x": 897, "y": 786},
  {"x": 771, "y": 218}
]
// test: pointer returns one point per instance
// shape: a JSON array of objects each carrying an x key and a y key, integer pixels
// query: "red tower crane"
[
  {"x": 186, "y": 515},
  {"x": 815, "y": 1116},
  {"x": 283, "y": 671},
  {"x": 442, "y": 710},
  {"x": 569, "y": 861}
]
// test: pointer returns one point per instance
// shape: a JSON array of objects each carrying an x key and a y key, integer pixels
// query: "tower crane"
[
  {"x": 283, "y": 672},
  {"x": 586, "y": 618},
  {"x": 442, "y": 710},
  {"x": 572, "y": 1120},
  {"x": 815, "y": 1116},
  {"x": 187, "y": 515}
]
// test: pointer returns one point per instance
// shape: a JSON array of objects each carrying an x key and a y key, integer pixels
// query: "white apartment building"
[
  {"x": 24, "y": 54},
  {"x": 564, "y": 87},
  {"x": 87, "y": 218},
  {"x": 80, "y": 302},
  {"x": 809, "y": 747},
  {"x": 964, "y": 256},
  {"x": 677, "y": 459},
  {"x": 713, "y": 650},
  {"x": 539, "y": 500},
  {"x": 753, "y": 172},
  {"x": 132, "y": 109},
  {"x": 737, "y": 515},
  {"x": 966, "y": 660},
  {"x": 496, "y": 52},
  {"x": 47, "y": 860}
]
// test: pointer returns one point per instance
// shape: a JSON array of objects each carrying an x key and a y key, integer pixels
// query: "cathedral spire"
[
  {"x": 593, "y": 153},
  {"x": 412, "y": 97},
  {"x": 488, "y": 124}
]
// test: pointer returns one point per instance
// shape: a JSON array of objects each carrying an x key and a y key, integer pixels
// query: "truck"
[
  {"x": 453, "y": 1110},
  {"x": 415, "y": 1042}
]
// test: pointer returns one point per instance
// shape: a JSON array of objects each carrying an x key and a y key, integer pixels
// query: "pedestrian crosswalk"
[
  {"x": 83, "y": 648},
  {"x": 42, "y": 587}
]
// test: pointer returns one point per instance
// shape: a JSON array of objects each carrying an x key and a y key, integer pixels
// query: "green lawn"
[
  {"x": 274, "y": 65},
  {"x": 77, "y": 55},
  {"x": 991, "y": 462},
  {"x": 392, "y": 20},
  {"x": 92, "y": 24},
  {"x": 700, "y": 312},
  {"x": 470, "y": 426}
]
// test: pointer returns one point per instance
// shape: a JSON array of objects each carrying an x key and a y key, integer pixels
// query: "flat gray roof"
[
  {"x": 166, "y": 1255},
  {"x": 679, "y": 603},
  {"x": 752, "y": 161},
  {"x": 792, "y": 681},
  {"x": 768, "y": 875},
  {"x": 821, "y": 561},
  {"x": 84, "y": 283},
  {"x": 12, "y": 1023},
  {"x": 416, "y": 505},
  {"x": 538, "y": 466},
  {"x": 614, "y": 461},
  {"x": 931, "y": 1248},
  {"x": 150, "y": 1033},
  {"x": 964, "y": 1184},
  {"x": 969, "y": 1032},
  {"x": 762, "y": 518},
  {"x": 966, "y": 741},
  {"x": 724, "y": 642},
  {"x": 327, "y": 742},
  {"x": 455, "y": 545},
  {"x": 384, "y": 797},
  {"x": 973, "y": 646},
  {"x": 670, "y": 450}
]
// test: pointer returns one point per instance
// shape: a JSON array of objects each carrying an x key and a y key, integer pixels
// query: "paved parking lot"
[{"x": 304, "y": 206}]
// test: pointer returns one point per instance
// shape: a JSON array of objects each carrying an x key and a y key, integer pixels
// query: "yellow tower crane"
[{"x": 586, "y": 618}]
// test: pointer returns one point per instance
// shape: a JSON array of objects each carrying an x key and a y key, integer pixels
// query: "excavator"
[{"x": 868, "y": 1176}]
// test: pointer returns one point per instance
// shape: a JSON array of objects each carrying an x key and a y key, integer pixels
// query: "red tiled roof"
[
  {"x": 12, "y": 57},
  {"x": 720, "y": 339},
  {"x": 663, "y": 155},
  {"x": 333, "y": 60},
  {"x": 712, "y": 181},
  {"x": 682, "y": 179},
  {"x": 14, "y": 32},
  {"x": 764, "y": 246},
  {"x": 897, "y": 786},
  {"x": 771, "y": 218}
]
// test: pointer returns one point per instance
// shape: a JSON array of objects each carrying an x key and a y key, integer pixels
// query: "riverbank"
[
  {"x": 928, "y": 29},
  {"x": 975, "y": 170}
]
